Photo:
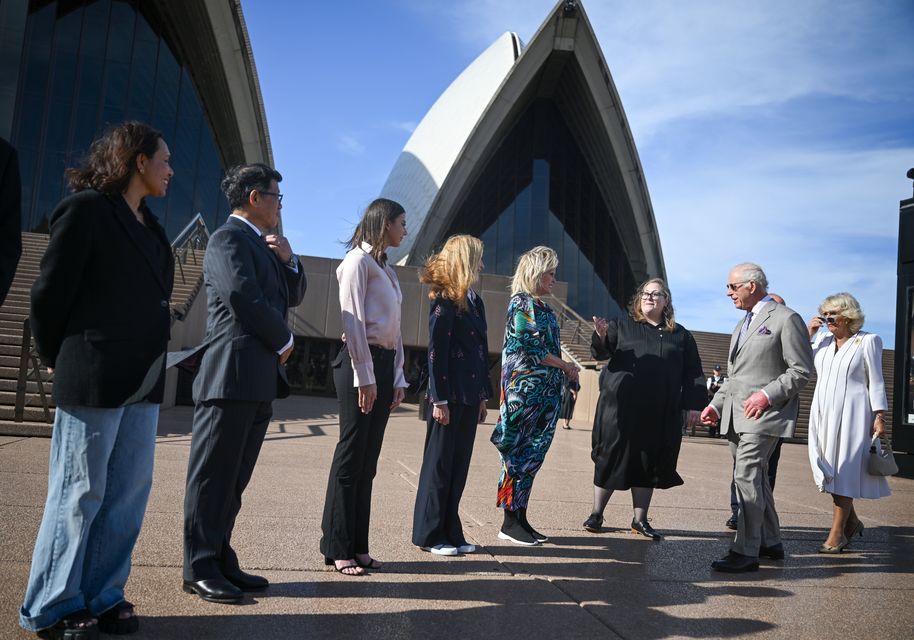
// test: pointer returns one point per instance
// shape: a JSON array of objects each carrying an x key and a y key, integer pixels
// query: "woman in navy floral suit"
[{"x": 458, "y": 388}]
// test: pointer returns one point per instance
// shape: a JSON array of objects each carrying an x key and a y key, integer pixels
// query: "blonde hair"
[
  {"x": 669, "y": 315},
  {"x": 844, "y": 304},
  {"x": 531, "y": 267},
  {"x": 452, "y": 271}
]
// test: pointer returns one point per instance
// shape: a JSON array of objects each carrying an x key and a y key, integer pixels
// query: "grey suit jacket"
[
  {"x": 775, "y": 357},
  {"x": 248, "y": 294}
]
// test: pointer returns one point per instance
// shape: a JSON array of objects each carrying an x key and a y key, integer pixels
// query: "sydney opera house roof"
[{"x": 530, "y": 145}]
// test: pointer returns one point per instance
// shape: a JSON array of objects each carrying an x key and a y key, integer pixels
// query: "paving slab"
[{"x": 579, "y": 585}]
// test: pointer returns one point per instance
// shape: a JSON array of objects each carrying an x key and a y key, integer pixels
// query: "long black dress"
[{"x": 653, "y": 375}]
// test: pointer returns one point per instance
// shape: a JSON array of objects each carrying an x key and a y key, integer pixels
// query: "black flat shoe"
[
  {"x": 646, "y": 530},
  {"x": 594, "y": 523},
  {"x": 247, "y": 581},
  {"x": 735, "y": 563},
  {"x": 732, "y": 523},
  {"x": 217, "y": 590},
  {"x": 522, "y": 518},
  {"x": 79, "y": 625},
  {"x": 774, "y": 552},
  {"x": 111, "y": 621}
]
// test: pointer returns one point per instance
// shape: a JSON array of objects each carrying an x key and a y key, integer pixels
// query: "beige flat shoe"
[{"x": 827, "y": 548}]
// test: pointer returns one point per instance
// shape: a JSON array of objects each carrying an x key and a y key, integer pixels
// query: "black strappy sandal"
[
  {"x": 112, "y": 622},
  {"x": 79, "y": 625}
]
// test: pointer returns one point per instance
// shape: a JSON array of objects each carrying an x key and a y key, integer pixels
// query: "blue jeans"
[{"x": 99, "y": 477}]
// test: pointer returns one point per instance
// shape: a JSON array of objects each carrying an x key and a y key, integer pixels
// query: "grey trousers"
[{"x": 757, "y": 524}]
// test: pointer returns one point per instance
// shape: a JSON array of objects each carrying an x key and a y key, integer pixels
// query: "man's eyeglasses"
[
  {"x": 733, "y": 286},
  {"x": 650, "y": 295},
  {"x": 270, "y": 193}
]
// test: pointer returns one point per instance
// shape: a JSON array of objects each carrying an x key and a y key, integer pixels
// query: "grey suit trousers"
[{"x": 757, "y": 524}]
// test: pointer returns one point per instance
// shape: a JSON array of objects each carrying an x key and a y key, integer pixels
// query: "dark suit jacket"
[
  {"x": 248, "y": 294},
  {"x": 100, "y": 306},
  {"x": 458, "y": 352},
  {"x": 10, "y": 217}
]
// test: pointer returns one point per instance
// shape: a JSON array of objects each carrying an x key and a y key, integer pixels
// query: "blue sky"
[{"x": 777, "y": 132}]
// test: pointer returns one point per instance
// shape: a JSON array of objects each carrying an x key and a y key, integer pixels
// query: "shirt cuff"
[
  {"x": 288, "y": 344},
  {"x": 440, "y": 403},
  {"x": 363, "y": 373},
  {"x": 292, "y": 264},
  {"x": 766, "y": 396},
  {"x": 714, "y": 409}
]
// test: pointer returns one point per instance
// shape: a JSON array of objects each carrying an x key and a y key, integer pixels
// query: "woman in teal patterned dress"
[{"x": 532, "y": 372}]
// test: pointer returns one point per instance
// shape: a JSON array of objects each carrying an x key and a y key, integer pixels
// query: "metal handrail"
[
  {"x": 193, "y": 237},
  {"x": 28, "y": 355}
]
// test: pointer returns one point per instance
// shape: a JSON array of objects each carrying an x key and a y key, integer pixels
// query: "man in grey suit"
[
  {"x": 770, "y": 361},
  {"x": 252, "y": 278}
]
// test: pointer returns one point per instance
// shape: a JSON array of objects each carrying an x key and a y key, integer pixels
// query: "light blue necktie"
[{"x": 743, "y": 332}]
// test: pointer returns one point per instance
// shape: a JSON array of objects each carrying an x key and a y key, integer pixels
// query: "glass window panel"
[
  {"x": 95, "y": 29},
  {"x": 165, "y": 101}
]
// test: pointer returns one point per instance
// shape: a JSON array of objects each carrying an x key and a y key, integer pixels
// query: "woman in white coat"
[{"x": 847, "y": 411}]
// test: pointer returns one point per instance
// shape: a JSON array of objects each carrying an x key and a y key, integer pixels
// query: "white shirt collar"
[
  {"x": 247, "y": 222},
  {"x": 761, "y": 303}
]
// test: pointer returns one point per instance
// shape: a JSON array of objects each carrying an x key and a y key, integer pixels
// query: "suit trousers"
[
  {"x": 445, "y": 465},
  {"x": 226, "y": 441},
  {"x": 772, "y": 476},
  {"x": 347, "y": 507},
  {"x": 757, "y": 524}
]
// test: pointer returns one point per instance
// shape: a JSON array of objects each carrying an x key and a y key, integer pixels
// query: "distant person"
[
  {"x": 770, "y": 362},
  {"x": 848, "y": 410},
  {"x": 458, "y": 388},
  {"x": 649, "y": 380},
  {"x": 100, "y": 318},
  {"x": 368, "y": 374},
  {"x": 569, "y": 398},
  {"x": 10, "y": 217},
  {"x": 532, "y": 372},
  {"x": 252, "y": 277},
  {"x": 773, "y": 460},
  {"x": 714, "y": 382}
]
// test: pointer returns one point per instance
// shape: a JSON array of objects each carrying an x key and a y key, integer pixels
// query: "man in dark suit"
[
  {"x": 10, "y": 217},
  {"x": 770, "y": 362},
  {"x": 251, "y": 278}
]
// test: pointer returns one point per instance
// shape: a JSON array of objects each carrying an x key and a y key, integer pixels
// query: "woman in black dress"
[
  {"x": 569, "y": 398},
  {"x": 653, "y": 374}
]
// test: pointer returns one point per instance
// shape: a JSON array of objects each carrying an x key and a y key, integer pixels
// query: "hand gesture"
[
  {"x": 280, "y": 246},
  {"x": 755, "y": 405},
  {"x": 815, "y": 323},
  {"x": 399, "y": 394},
  {"x": 601, "y": 326},
  {"x": 708, "y": 416},
  {"x": 368, "y": 393},
  {"x": 878, "y": 425}
]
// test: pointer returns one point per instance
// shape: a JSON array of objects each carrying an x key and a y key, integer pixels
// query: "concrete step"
[
  {"x": 26, "y": 429},
  {"x": 30, "y": 414},
  {"x": 9, "y": 361},
  {"x": 12, "y": 373},
  {"x": 9, "y": 385},
  {"x": 10, "y": 349},
  {"x": 8, "y": 399}
]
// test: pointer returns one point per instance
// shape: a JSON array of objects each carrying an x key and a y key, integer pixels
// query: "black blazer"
[
  {"x": 100, "y": 306},
  {"x": 10, "y": 217},
  {"x": 248, "y": 294},
  {"x": 458, "y": 352}
]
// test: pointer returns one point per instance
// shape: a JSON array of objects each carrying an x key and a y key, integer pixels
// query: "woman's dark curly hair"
[{"x": 111, "y": 161}]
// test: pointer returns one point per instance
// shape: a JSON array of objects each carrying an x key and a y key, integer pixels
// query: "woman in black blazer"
[
  {"x": 459, "y": 386},
  {"x": 100, "y": 316}
]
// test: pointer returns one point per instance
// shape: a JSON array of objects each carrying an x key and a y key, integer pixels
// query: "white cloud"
[{"x": 349, "y": 143}]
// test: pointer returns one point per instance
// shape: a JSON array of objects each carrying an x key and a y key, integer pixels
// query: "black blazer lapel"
[
  {"x": 270, "y": 256},
  {"x": 131, "y": 226}
]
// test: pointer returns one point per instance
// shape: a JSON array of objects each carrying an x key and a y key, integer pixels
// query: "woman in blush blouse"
[
  {"x": 532, "y": 372},
  {"x": 368, "y": 374},
  {"x": 459, "y": 386}
]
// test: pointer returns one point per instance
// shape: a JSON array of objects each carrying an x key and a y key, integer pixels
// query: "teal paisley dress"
[{"x": 530, "y": 397}]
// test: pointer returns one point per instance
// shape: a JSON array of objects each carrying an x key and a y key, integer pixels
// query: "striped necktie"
[{"x": 743, "y": 332}]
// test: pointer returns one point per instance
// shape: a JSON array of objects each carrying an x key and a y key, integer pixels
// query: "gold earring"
[{"x": 142, "y": 170}]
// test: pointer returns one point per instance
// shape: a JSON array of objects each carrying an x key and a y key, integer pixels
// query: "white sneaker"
[
  {"x": 442, "y": 550},
  {"x": 467, "y": 548}
]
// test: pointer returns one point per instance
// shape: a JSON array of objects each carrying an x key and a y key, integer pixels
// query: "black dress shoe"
[
  {"x": 735, "y": 563},
  {"x": 247, "y": 581},
  {"x": 214, "y": 590},
  {"x": 775, "y": 551},
  {"x": 593, "y": 523},
  {"x": 732, "y": 523},
  {"x": 646, "y": 530}
]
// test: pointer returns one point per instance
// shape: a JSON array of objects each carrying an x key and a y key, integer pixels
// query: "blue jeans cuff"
[
  {"x": 52, "y": 615},
  {"x": 105, "y": 600}
]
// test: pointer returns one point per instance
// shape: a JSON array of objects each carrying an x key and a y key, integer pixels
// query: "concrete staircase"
[{"x": 38, "y": 413}]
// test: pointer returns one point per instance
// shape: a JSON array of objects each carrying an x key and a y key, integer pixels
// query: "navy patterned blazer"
[{"x": 458, "y": 352}]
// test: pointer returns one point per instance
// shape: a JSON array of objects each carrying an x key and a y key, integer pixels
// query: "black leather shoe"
[
  {"x": 732, "y": 523},
  {"x": 646, "y": 530},
  {"x": 214, "y": 590},
  {"x": 775, "y": 552},
  {"x": 247, "y": 581},
  {"x": 594, "y": 523},
  {"x": 735, "y": 563}
]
